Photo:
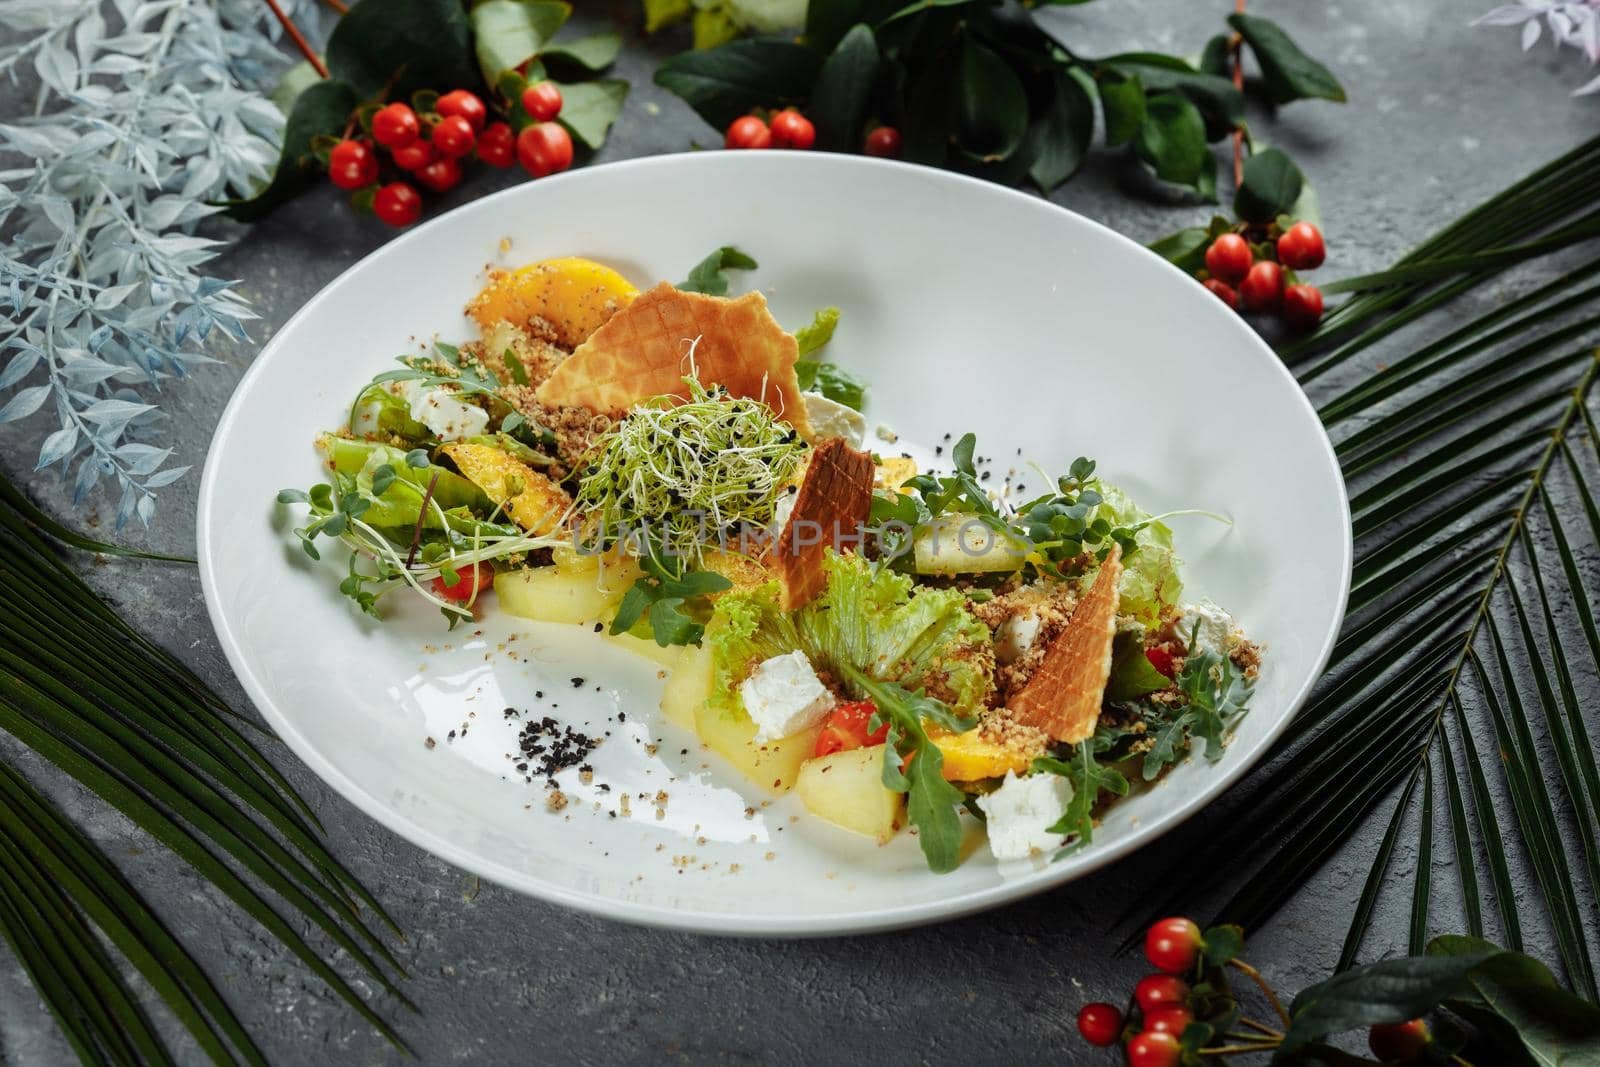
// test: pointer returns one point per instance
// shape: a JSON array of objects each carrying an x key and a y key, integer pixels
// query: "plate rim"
[{"x": 787, "y": 925}]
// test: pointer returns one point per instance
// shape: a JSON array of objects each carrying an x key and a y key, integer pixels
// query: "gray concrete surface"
[{"x": 1440, "y": 116}]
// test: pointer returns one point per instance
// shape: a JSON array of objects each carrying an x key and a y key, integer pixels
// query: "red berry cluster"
[
  {"x": 432, "y": 146},
  {"x": 1264, "y": 273},
  {"x": 790, "y": 129}
]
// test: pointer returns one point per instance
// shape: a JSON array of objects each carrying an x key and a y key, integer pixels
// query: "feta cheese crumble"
[
  {"x": 1015, "y": 637},
  {"x": 1020, "y": 813},
  {"x": 829, "y": 418},
  {"x": 437, "y": 408},
  {"x": 784, "y": 696},
  {"x": 1216, "y": 630}
]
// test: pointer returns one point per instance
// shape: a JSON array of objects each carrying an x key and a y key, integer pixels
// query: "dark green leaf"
[
  {"x": 589, "y": 108},
  {"x": 1551, "y": 1024},
  {"x": 1271, "y": 186},
  {"x": 1222, "y": 943},
  {"x": 508, "y": 33},
  {"x": 832, "y": 381},
  {"x": 843, "y": 91},
  {"x": 730, "y": 80},
  {"x": 1059, "y": 135},
  {"x": 990, "y": 105},
  {"x": 1185, "y": 249},
  {"x": 1214, "y": 57},
  {"x": 1173, "y": 140},
  {"x": 1289, "y": 73},
  {"x": 590, "y": 54},
  {"x": 321, "y": 110},
  {"x": 1389, "y": 991},
  {"x": 1220, "y": 103},
  {"x": 827, "y": 21},
  {"x": 374, "y": 47},
  {"x": 710, "y": 274},
  {"x": 1122, "y": 100}
]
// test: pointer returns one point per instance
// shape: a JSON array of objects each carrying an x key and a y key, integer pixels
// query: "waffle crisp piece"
[
  {"x": 1064, "y": 694},
  {"x": 834, "y": 501},
  {"x": 643, "y": 351}
]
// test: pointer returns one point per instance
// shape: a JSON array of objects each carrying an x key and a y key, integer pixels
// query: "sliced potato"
[
  {"x": 548, "y": 595},
  {"x": 773, "y": 765},
  {"x": 575, "y": 296},
  {"x": 894, "y": 471},
  {"x": 961, "y": 544},
  {"x": 846, "y": 789},
  {"x": 969, "y": 756},
  {"x": 643, "y": 646},
  {"x": 688, "y": 686}
]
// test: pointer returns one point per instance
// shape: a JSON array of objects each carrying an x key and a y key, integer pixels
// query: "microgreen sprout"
[{"x": 689, "y": 473}]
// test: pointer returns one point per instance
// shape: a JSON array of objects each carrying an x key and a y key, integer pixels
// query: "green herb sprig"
[
  {"x": 1089, "y": 778},
  {"x": 663, "y": 591}
]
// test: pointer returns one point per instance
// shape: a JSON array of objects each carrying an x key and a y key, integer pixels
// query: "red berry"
[
  {"x": 748, "y": 132},
  {"x": 1170, "y": 1019},
  {"x": 470, "y": 583},
  {"x": 395, "y": 126},
  {"x": 352, "y": 164},
  {"x": 1301, "y": 247},
  {"x": 462, "y": 104},
  {"x": 414, "y": 156},
  {"x": 1262, "y": 288},
  {"x": 1160, "y": 991},
  {"x": 1398, "y": 1042},
  {"x": 544, "y": 148},
  {"x": 542, "y": 101},
  {"x": 440, "y": 175},
  {"x": 1302, "y": 306},
  {"x": 1100, "y": 1024},
  {"x": 497, "y": 145},
  {"x": 397, "y": 204},
  {"x": 790, "y": 129},
  {"x": 1154, "y": 1048},
  {"x": 1173, "y": 945},
  {"x": 1229, "y": 258},
  {"x": 883, "y": 142},
  {"x": 1223, "y": 292},
  {"x": 452, "y": 136}
]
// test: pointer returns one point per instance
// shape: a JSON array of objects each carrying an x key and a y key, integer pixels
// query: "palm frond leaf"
[
  {"x": 93, "y": 697},
  {"x": 1453, "y": 709}
]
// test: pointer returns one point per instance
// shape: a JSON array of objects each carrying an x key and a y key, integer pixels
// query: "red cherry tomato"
[
  {"x": 848, "y": 727},
  {"x": 1229, "y": 258},
  {"x": 352, "y": 165},
  {"x": 497, "y": 145},
  {"x": 1100, "y": 1024},
  {"x": 440, "y": 175},
  {"x": 470, "y": 583},
  {"x": 883, "y": 142},
  {"x": 1399, "y": 1042},
  {"x": 1223, "y": 292},
  {"x": 544, "y": 148},
  {"x": 1170, "y": 1019},
  {"x": 542, "y": 101},
  {"x": 790, "y": 129},
  {"x": 398, "y": 204},
  {"x": 395, "y": 126},
  {"x": 1262, "y": 288},
  {"x": 462, "y": 104},
  {"x": 1160, "y": 659},
  {"x": 1302, "y": 306},
  {"x": 748, "y": 131},
  {"x": 414, "y": 156},
  {"x": 1173, "y": 945},
  {"x": 452, "y": 136},
  {"x": 1301, "y": 247},
  {"x": 1154, "y": 1049},
  {"x": 1160, "y": 991}
]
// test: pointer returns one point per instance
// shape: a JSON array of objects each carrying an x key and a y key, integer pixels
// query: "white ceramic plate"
[{"x": 968, "y": 307}]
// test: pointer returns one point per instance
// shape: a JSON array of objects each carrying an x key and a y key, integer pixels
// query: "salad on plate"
[{"x": 900, "y": 633}]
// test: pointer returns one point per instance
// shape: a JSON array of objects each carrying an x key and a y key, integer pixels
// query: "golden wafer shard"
[
  {"x": 648, "y": 347},
  {"x": 1064, "y": 694},
  {"x": 829, "y": 511}
]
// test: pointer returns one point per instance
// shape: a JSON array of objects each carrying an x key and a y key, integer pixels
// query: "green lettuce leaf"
[{"x": 1150, "y": 582}]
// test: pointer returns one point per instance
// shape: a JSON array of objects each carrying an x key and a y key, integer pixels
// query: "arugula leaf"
[
  {"x": 930, "y": 800},
  {"x": 662, "y": 591},
  {"x": 832, "y": 381},
  {"x": 1132, "y": 674},
  {"x": 1215, "y": 695},
  {"x": 709, "y": 277},
  {"x": 818, "y": 332},
  {"x": 1088, "y": 779}
]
